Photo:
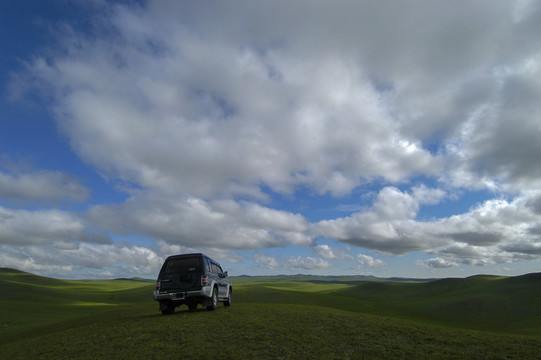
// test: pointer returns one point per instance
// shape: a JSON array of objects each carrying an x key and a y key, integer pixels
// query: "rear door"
[{"x": 181, "y": 274}]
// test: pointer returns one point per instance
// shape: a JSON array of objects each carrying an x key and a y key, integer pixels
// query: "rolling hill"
[
  {"x": 492, "y": 303},
  {"x": 275, "y": 317}
]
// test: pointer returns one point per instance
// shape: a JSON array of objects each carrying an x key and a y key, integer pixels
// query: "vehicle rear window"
[{"x": 182, "y": 265}]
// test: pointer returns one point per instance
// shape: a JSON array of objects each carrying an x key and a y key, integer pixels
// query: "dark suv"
[{"x": 192, "y": 279}]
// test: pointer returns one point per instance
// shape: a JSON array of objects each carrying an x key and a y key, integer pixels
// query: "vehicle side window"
[
  {"x": 220, "y": 271},
  {"x": 208, "y": 265}
]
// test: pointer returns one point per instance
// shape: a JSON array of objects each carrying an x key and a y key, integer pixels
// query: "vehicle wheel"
[
  {"x": 214, "y": 304},
  {"x": 229, "y": 300}
]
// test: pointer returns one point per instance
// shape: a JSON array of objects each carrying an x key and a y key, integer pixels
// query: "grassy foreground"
[{"x": 271, "y": 319}]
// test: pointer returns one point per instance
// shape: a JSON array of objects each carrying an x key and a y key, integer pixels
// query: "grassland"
[{"x": 275, "y": 318}]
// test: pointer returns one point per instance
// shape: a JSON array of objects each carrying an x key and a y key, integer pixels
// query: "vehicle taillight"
[
  {"x": 157, "y": 285},
  {"x": 204, "y": 280}
]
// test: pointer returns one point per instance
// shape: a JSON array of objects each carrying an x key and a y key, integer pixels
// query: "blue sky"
[{"x": 352, "y": 137}]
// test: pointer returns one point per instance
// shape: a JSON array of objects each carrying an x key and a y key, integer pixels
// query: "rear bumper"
[{"x": 206, "y": 291}]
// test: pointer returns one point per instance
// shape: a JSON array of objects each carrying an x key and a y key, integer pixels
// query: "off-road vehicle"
[{"x": 192, "y": 279}]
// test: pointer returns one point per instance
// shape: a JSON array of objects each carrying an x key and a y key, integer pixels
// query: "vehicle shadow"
[{"x": 181, "y": 311}]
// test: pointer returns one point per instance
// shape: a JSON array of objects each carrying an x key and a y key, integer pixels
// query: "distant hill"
[
  {"x": 7, "y": 271},
  {"x": 482, "y": 301},
  {"x": 326, "y": 279},
  {"x": 136, "y": 279}
]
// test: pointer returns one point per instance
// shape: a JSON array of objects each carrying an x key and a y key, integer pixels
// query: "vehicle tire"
[
  {"x": 229, "y": 300},
  {"x": 214, "y": 300}
]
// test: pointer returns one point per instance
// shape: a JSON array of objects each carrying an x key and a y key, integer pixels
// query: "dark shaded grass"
[
  {"x": 264, "y": 331},
  {"x": 480, "y": 302}
]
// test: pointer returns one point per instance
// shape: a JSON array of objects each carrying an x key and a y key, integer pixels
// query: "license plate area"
[{"x": 180, "y": 296}]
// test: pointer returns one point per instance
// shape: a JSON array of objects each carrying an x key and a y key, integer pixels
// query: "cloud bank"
[{"x": 205, "y": 112}]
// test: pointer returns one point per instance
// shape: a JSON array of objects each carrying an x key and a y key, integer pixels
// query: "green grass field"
[{"x": 300, "y": 317}]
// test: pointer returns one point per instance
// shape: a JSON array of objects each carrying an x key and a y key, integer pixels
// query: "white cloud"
[
  {"x": 295, "y": 263},
  {"x": 196, "y": 223},
  {"x": 425, "y": 195},
  {"x": 494, "y": 231},
  {"x": 321, "y": 124},
  {"x": 43, "y": 185},
  {"x": 13, "y": 258},
  {"x": 268, "y": 261},
  {"x": 24, "y": 227},
  {"x": 197, "y": 109},
  {"x": 330, "y": 253},
  {"x": 437, "y": 263},
  {"x": 393, "y": 204},
  {"x": 272, "y": 106},
  {"x": 369, "y": 261},
  {"x": 306, "y": 263},
  {"x": 388, "y": 226},
  {"x": 122, "y": 260}
]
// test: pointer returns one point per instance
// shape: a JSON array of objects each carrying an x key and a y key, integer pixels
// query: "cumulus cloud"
[
  {"x": 123, "y": 260},
  {"x": 306, "y": 263},
  {"x": 354, "y": 105},
  {"x": 43, "y": 185},
  {"x": 319, "y": 123},
  {"x": 429, "y": 196},
  {"x": 495, "y": 231},
  {"x": 267, "y": 261},
  {"x": 437, "y": 263},
  {"x": 294, "y": 263},
  {"x": 205, "y": 112},
  {"x": 491, "y": 145},
  {"x": 368, "y": 261},
  {"x": 40, "y": 227},
  {"x": 194, "y": 222},
  {"x": 388, "y": 226},
  {"x": 330, "y": 253},
  {"x": 165, "y": 249}
]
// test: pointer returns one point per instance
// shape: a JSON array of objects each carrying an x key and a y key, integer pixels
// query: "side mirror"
[{"x": 224, "y": 275}]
